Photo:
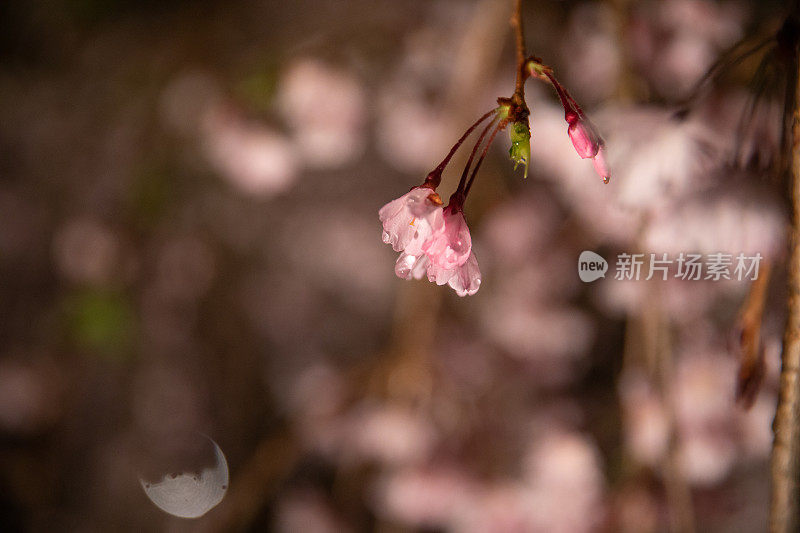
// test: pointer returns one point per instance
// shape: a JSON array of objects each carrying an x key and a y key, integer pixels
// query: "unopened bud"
[{"x": 520, "y": 151}]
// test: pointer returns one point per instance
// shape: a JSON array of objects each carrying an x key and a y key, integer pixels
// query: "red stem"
[
  {"x": 499, "y": 127},
  {"x": 434, "y": 178},
  {"x": 460, "y": 189},
  {"x": 567, "y": 101}
]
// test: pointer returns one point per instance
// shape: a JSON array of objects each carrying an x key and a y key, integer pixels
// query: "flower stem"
[
  {"x": 500, "y": 126},
  {"x": 462, "y": 182},
  {"x": 435, "y": 176}
]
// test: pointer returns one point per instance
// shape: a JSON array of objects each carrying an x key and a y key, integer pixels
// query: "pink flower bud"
[
  {"x": 584, "y": 138},
  {"x": 600, "y": 165}
]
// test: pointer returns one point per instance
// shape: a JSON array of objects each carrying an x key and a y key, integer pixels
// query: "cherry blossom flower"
[
  {"x": 411, "y": 266},
  {"x": 467, "y": 278},
  {"x": 464, "y": 278},
  {"x": 450, "y": 257},
  {"x": 432, "y": 241},
  {"x": 450, "y": 244},
  {"x": 410, "y": 219}
]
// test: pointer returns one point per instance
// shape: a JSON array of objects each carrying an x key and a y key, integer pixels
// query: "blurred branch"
[
  {"x": 480, "y": 49},
  {"x": 657, "y": 341},
  {"x": 785, "y": 465},
  {"x": 751, "y": 358},
  {"x": 626, "y": 80},
  {"x": 256, "y": 481}
]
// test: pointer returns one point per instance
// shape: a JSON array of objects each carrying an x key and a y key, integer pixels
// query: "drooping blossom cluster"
[
  {"x": 431, "y": 239},
  {"x": 434, "y": 240}
]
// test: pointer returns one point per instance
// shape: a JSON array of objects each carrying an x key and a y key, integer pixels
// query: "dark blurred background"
[{"x": 189, "y": 246}]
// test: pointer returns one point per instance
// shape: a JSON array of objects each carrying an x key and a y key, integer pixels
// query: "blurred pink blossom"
[
  {"x": 425, "y": 497},
  {"x": 186, "y": 98},
  {"x": 29, "y": 396},
  {"x": 712, "y": 431},
  {"x": 307, "y": 511},
  {"x": 732, "y": 219},
  {"x": 564, "y": 473},
  {"x": 253, "y": 158},
  {"x": 646, "y": 427},
  {"x": 390, "y": 434},
  {"x": 315, "y": 251},
  {"x": 499, "y": 508},
  {"x": 675, "y": 42},
  {"x": 656, "y": 156},
  {"x": 86, "y": 251},
  {"x": 590, "y": 43},
  {"x": 325, "y": 108},
  {"x": 410, "y": 135}
]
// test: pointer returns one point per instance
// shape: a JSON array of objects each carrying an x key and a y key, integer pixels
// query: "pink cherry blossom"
[
  {"x": 450, "y": 244},
  {"x": 410, "y": 219},
  {"x": 411, "y": 266},
  {"x": 432, "y": 241},
  {"x": 438, "y": 274},
  {"x": 467, "y": 278},
  {"x": 464, "y": 279}
]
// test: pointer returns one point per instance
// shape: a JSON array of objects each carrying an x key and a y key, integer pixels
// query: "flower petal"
[
  {"x": 467, "y": 278},
  {"x": 408, "y": 217},
  {"x": 411, "y": 266},
  {"x": 449, "y": 246}
]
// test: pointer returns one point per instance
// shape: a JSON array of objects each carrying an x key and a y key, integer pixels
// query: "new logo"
[{"x": 591, "y": 266}]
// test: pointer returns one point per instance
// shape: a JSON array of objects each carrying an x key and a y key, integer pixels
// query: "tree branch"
[
  {"x": 785, "y": 468},
  {"x": 516, "y": 22}
]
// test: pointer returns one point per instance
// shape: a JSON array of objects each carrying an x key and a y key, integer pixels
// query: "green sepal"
[{"x": 520, "y": 151}]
